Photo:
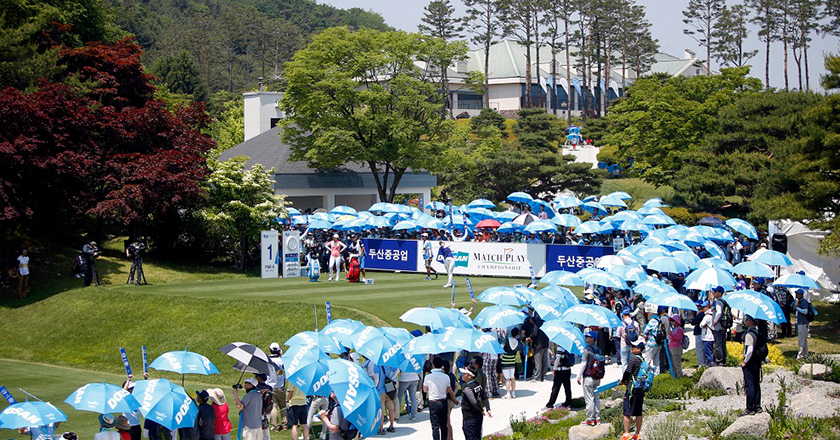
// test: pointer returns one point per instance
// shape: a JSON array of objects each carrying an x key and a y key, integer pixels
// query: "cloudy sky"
[{"x": 666, "y": 16}]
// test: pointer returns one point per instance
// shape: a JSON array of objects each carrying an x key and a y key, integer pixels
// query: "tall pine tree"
[
  {"x": 728, "y": 36},
  {"x": 700, "y": 17},
  {"x": 483, "y": 22},
  {"x": 439, "y": 21}
]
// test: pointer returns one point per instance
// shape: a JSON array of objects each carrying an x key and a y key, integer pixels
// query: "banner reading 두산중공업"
[
  {"x": 391, "y": 254},
  {"x": 573, "y": 258}
]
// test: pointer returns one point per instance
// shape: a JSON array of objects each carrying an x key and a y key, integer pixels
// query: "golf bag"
[
  {"x": 313, "y": 269},
  {"x": 353, "y": 270}
]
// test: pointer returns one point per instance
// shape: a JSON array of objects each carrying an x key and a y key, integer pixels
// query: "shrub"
[
  {"x": 719, "y": 422},
  {"x": 735, "y": 354},
  {"x": 667, "y": 387},
  {"x": 743, "y": 437},
  {"x": 668, "y": 429},
  {"x": 815, "y": 358},
  {"x": 556, "y": 413}
]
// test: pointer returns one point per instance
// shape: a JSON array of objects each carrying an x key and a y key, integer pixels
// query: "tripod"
[
  {"x": 94, "y": 272},
  {"x": 136, "y": 272}
]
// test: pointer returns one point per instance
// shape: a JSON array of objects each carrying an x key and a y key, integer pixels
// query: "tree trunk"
[
  {"x": 807, "y": 74},
  {"x": 568, "y": 77},
  {"x": 785, "y": 46},
  {"x": 487, "y": 67},
  {"x": 607, "y": 75},
  {"x": 767, "y": 48},
  {"x": 537, "y": 52},
  {"x": 552, "y": 100}
]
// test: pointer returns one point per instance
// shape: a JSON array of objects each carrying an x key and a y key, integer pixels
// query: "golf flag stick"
[
  {"x": 7, "y": 395},
  {"x": 125, "y": 361},
  {"x": 525, "y": 364},
  {"x": 30, "y": 394},
  {"x": 469, "y": 287},
  {"x": 145, "y": 361},
  {"x": 329, "y": 313}
]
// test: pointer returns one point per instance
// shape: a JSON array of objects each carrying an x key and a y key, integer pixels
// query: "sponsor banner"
[
  {"x": 145, "y": 361},
  {"x": 125, "y": 361},
  {"x": 573, "y": 258},
  {"x": 391, "y": 254},
  {"x": 269, "y": 244},
  {"x": 493, "y": 259},
  {"x": 291, "y": 254},
  {"x": 329, "y": 313},
  {"x": 7, "y": 395}
]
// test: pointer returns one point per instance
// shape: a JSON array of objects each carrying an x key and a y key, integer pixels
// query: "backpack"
[
  {"x": 726, "y": 316},
  {"x": 659, "y": 338},
  {"x": 76, "y": 267},
  {"x": 596, "y": 369},
  {"x": 350, "y": 433},
  {"x": 809, "y": 315},
  {"x": 631, "y": 333},
  {"x": 760, "y": 350},
  {"x": 644, "y": 379},
  {"x": 267, "y": 401},
  {"x": 685, "y": 341},
  {"x": 353, "y": 270}
]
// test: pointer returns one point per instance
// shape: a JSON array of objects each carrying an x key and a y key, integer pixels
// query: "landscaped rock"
[
  {"x": 757, "y": 425},
  {"x": 722, "y": 378},
  {"x": 689, "y": 372},
  {"x": 584, "y": 432},
  {"x": 814, "y": 402},
  {"x": 815, "y": 371}
]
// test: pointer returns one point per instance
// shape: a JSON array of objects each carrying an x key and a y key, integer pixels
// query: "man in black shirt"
[
  {"x": 206, "y": 417},
  {"x": 539, "y": 343},
  {"x": 633, "y": 397},
  {"x": 473, "y": 405}
]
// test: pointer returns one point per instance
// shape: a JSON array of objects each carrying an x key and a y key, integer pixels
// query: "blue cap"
[
  {"x": 718, "y": 289},
  {"x": 592, "y": 334},
  {"x": 746, "y": 317},
  {"x": 759, "y": 280},
  {"x": 703, "y": 303},
  {"x": 800, "y": 291},
  {"x": 626, "y": 311}
]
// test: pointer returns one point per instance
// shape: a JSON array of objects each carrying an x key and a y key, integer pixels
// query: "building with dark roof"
[{"x": 308, "y": 188}]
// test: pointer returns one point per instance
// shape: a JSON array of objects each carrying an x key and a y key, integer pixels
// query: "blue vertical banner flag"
[
  {"x": 453, "y": 291},
  {"x": 125, "y": 361},
  {"x": 469, "y": 287},
  {"x": 145, "y": 361},
  {"x": 329, "y": 313},
  {"x": 7, "y": 395},
  {"x": 533, "y": 277}
]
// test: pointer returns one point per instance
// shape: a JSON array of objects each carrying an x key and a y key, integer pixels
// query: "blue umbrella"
[
  {"x": 173, "y": 410},
  {"x": 472, "y": 340},
  {"x": 589, "y": 227},
  {"x": 540, "y": 226},
  {"x": 606, "y": 279},
  {"x": 102, "y": 398},
  {"x": 435, "y": 206},
  {"x": 755, "y": 304},
  {"x": 378, "y": 207},
  {"x": 713, "y": 262},
  {"x": 426, "y": 344},
  {"x": 535, "y": 207},
  {"x": 377, "y": 222},
  {"x": 566, "y": 336},
  {"x": 345, "y": 210},
  {"x": 650, "y": 210},
  {"x": 342, "y": 330},
  {"x": 689, "y": 258},
  {"x": 398, "y": 334},
  {"x": 520, "y": 197},
  {"x": 649, "y": 253},
  {"x": 405, "y": 225},
  {"x": 499, "y": 317},
  {"x": 320, "y": 224},
  {"x": 506, "y": 228},
  {"x": 28, "y": 414},
  {"x": 567, "y": 220},
  {"x": 324, "y": 342},
  {"x": 184, "y": 362},
  {"x": 506, "y": 216},
  {"x": 560, "y": 294},
  {"x": 667, "y": 265},
  {"x": 478, "y": 214},
  {"x": 714, "y": 250},
  {"x": 380, "y": 348},
  {"x": 548, "y": 308},
  {"x": 676, "y": 246},
  {"x": 504, "y": 296},
  {"x": 620, "y": 195},
  {"x": 590, "y": 315},
  {"x": 149, "y": 392},
  {"x": 773, "y": 258},
  {"x": 655, "y": 203},
  {"x": 458, "y": 318},
  {"x": 658, "y": 219},
  {"x": 306, "y": 367},
  {"x": 653, "y": 287},
  {"x": 594, "y": 207},
  {"x": 612, "y": 201},
  {"x": 796, "y": 280},
  {"x": 427, "y": 316},
  {"x": 675, "y": 300},
  {"x": 356, "y": 395},
  {"x": 753, "y": 269},
  {"x": 567, "y": 201},
  {"x": 292, "y": 211},
  {"x": 590, "y": 198},
  {"x": 630, "y": 272},
  {"x": 743, "y": 227},
  {"x": 481, "y": 203},
  {"x": 708, "y": 279},
  {"x": 562, "y": 278}
]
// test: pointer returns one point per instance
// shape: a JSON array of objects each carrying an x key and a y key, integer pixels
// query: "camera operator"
[
  {"x": 89, "y": 253},
  {"x": 136, "y": 251}
]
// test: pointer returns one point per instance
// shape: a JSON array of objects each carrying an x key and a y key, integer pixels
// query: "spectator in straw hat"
[{"x": 222, "y": 426}]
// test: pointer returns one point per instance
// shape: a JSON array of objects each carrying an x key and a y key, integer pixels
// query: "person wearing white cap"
[
  {"x": 445, "y": 253},
  {"x": 277, "y": 381},
  {"x": 336, "y": 247},
  {"x": 802, "y": 323},
  {"x": 250, "y": 410}
]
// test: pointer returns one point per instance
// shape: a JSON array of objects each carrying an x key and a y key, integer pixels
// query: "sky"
[{"x": 666, "y": 17}]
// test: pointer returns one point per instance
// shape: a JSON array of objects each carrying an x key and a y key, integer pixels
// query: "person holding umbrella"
[
  {"x": 206, "y": 420},
  {"x": 752, "y": 367},
  {"x": 802, "y": 323},
  {"x": 250, "y": 409},
  {"x": 473, "y": 405}
]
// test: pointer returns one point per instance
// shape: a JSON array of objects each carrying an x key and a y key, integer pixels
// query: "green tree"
[
  {"x": 358, "y": 97},
  {"x": 240, "y": 203},
  {"x": 180, "y": 74},
  {"x": 701, "y": 17},
  {"x": 728, "y": 36},
  {"x": 488, "y": 118},
  {"x": 831, "y": 80},
  {"x": 805, "y": 21},
  {"x": 768, "y": 21},
  {"x": 663, "y": 118},
  {"x": 482, "y": 20},
  {"x": 520, "y": 22},
  {"x": 439, "y": 22},
  {"x": 228, "y": 129}
]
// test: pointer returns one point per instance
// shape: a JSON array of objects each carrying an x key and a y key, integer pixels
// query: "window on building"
[
  {"x": 275, "y": 121},
  {"x": 467, "y": 101}
]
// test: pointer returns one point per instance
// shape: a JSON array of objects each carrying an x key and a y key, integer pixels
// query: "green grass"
[
  {"x": 640, "y": 190},
  {"x": 54, "y": 384}
]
